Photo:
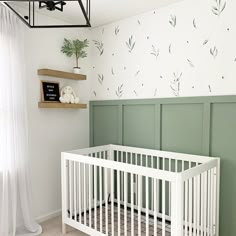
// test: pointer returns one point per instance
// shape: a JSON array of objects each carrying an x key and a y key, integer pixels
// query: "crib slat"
[
  {"x": 216, "y": 199},
  {"x": 95, "y": 197},
  {"x": 90, "y": 196},
  {"x": 75, "y": 192},
  {"x": 106, "y": 198},
  {"x": 70, "y": 186},
  {"x": 139, "y": 193},
  {"x": 186, "y": 207},
  {"x": 118, "y": 198},
  {"x": 147, "y": 208},
  {"x": 136, "y": 179},
  {"x": 132, "y": 204},
  {"x": 169, "y": 184},
  {"x": 202, "y": 203},
  {"x": 205, "y": 203},
  {"x": 195, "y": 206},
  {"x": 79, "y": 191},
  {"x": 155, "y": 193},
  {"x": 152, "y": 185},
  {"x": 100, "y": 196},
  {"x": 122, "y": 178},
  {"x": 190, "y": 206},
  {"x": 85, "y": 190},
  {"x": 163, "y": 208},
  {"x": 212, "y": 202},
  {"x": 125, "y": 203},
  {"x": 208, "y": 202},
  {"x": 158, "y": 166},
  {"x": 112, "y": 202},
  {"x": 64, "y": 179},
  {"x": 198, "y": 204}
]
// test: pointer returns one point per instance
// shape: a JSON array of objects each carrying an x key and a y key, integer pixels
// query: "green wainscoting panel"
[
  {"x": 223, "y": 144},
  {"x": 181, "y": 129},
  {"x": 198, "y": 125},
  {"x": 138, "y": 123},
  {"x": 106, "y": 125}
]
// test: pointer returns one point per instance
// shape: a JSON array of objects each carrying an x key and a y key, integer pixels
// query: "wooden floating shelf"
[
  {"x": 61, "y": 105},
  {"x": 61, "y": 74}
]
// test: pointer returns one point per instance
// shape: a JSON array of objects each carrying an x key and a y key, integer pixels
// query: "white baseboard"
[{"x": 48, "y": 216}]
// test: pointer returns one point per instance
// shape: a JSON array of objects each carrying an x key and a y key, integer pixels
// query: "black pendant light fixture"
[{"x": 36, "y": 13}]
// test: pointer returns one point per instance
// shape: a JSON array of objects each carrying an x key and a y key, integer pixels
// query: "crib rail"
[{"x": 116, "y": 190}]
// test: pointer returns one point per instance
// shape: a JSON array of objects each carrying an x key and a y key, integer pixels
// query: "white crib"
[{"x": 119, "y": 190}]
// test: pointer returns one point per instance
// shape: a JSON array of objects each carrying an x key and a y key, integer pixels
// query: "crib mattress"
[{"x": 101, "y": 218}]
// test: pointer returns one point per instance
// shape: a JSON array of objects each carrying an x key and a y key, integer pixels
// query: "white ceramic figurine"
[{"x": 68, "y": 95}]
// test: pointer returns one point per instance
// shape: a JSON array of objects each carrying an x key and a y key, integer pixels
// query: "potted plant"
[{"x": 75, "y": 48}]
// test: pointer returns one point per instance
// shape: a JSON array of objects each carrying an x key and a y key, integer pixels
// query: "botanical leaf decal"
[
  {"x": 219, "y": 7},
  {"x": 214, "y": 52},
  {"x": 117, "y": 30},
  {"x": 119, "y": 91},
  {"x": 139, "y": 22},
  {"x": 190, "y": 63},
  {"x": 135, "y": 93},
  {"x": 205, "y": 42},
  {"x": 175, "y": 84},
  {"x": 95, "y": 94},
  {"x": 112, "y": 71},
  {"x": 100, "y": 78},
  {"x": 155, "y": 92},
  {"x": 130, "y": 44},
  {"x": 172, "y": 20},
  {"x": 99, "y": 46},
  {"x": 137, "y": 73},
  {"x": 155, "y": 51},
  {"x": 194, "y": 23},
  {"x": 170, "y": 48},
  {"x": 209, "y": 87}
]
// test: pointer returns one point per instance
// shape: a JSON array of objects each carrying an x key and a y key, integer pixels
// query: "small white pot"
[{"x": 77, "y": 70}]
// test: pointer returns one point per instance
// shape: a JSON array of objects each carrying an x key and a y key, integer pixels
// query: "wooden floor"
[{"x": 53, "y": 228}]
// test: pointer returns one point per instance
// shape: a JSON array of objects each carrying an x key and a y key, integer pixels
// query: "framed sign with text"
[{"x": 50, "y": 91}]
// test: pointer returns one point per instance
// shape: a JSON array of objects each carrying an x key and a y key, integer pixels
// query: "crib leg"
[{"x": 63, "y": 228}]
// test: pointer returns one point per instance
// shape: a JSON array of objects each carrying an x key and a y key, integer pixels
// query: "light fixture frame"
[{"x": 31, "y": 22}]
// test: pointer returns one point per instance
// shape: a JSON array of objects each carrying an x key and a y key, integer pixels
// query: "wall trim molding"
[{"x": 48, "y": 216}]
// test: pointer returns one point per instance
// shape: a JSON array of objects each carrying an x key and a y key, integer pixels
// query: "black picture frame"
[{"x": 50, "y": 91}]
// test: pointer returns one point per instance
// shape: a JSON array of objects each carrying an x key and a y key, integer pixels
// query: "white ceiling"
[
  {"x": 106, "y": 11},
  {"x": 102, "y": 11}
]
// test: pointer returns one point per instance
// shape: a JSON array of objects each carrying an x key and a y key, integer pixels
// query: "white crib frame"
[{"x": 204, "y": 165}]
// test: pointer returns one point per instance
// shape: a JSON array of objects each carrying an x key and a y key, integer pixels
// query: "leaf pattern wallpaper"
[{"x": 185, "y": 49}]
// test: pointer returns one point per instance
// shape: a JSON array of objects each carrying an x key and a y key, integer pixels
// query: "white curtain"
[{"x": 15, "y": 211}]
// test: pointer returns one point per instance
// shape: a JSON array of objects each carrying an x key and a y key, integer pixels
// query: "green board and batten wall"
[{"x": 197, "y": 125}]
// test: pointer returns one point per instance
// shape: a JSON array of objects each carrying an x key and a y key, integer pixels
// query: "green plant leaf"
[{"x": 75, "y": 48}]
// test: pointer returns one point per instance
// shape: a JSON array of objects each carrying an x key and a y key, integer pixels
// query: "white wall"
[
  {"x": 52, "y": 131},
  {"x": 196, "y": 56}
]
